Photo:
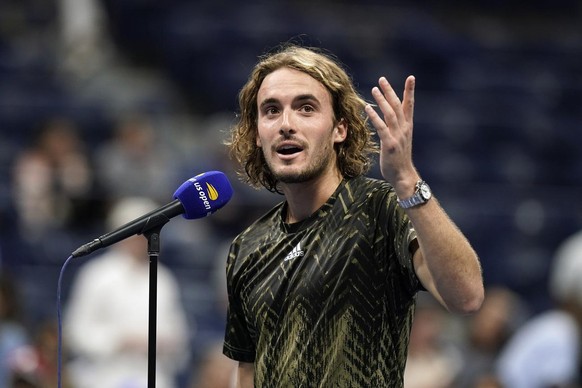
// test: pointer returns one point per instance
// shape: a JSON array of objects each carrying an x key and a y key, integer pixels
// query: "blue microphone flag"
[{"x": 204, "y": 194}]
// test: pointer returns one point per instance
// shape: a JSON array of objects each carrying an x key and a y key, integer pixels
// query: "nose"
[{"x": 286, "y": 128}]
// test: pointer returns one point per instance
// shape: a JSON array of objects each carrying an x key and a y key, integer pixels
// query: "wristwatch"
[{"x": 421, "y": 195}]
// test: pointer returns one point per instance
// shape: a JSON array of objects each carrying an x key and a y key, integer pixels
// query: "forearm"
[{"x": 446, "y": 263}]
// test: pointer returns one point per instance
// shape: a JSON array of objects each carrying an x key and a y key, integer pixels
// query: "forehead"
[{"x": 286, "y": 83}]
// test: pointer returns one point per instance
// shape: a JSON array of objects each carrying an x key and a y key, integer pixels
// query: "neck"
[{"x": 303, "y": 199}]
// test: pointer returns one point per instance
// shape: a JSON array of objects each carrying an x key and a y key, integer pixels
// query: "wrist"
[
  {"x": 405, "y": 188},
  {"x": 422, "y": 193}
]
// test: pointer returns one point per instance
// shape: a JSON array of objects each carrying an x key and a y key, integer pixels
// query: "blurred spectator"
[
  {"x": 13, "y": 334},
  {"x": 488, "y": 331},
  {"x": 136, "y": 162},
  {"x": 106, "y": 325},
  {"x": 35, "y": 366},
  {"x": 545, "y": 351},
  {"x": 214, "y": 369},
  {"x": 83, "y": 36},
  {"x": 52, "y": 179},
  {"x": 433, "y": 361}
]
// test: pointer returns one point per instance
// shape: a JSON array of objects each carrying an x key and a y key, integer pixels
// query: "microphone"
[{"x": 198, "y": 197}]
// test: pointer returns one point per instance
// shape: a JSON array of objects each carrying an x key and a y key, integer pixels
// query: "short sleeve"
[
  {"x": 402, "y": 236},
  {"x": 238, "y": 343}
]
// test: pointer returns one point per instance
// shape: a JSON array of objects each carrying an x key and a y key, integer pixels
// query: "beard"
[{"x": 316, "y": 166}]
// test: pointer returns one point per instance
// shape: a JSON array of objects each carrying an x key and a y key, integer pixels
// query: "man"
[
  {"x": 322, "y": 287},
  {"x": 546, "y": 350},
  {"x": 107, "y": 317}
]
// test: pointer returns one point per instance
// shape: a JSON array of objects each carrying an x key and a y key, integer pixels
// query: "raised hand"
[{"x": 395, "y": 132}]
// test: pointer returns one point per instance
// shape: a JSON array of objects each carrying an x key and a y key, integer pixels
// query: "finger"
[
  {"x": 408, "y": 98},
  {"x": 390, "y": 116},
  {"x": 391, "y": 97},
  {"x": 377, "y": 121}
]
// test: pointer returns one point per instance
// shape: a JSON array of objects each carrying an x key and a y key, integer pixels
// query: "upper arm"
[{"x": 245, "y": 375}]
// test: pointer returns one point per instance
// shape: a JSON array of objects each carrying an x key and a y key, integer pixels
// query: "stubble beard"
[{"x": 314, "y": 169}]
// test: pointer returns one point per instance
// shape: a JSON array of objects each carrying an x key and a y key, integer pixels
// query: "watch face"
[{"x": 425, "y": 191}]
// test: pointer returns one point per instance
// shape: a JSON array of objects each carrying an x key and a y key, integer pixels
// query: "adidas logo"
[{"x": 296, "y": 252}]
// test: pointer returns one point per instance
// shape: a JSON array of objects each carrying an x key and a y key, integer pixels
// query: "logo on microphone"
[
  {"x": 202, "y": 194},
  {"x": 212, "y": 192}
]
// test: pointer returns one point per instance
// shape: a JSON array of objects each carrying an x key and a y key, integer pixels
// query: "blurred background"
[{"x": 103, "y": 99}]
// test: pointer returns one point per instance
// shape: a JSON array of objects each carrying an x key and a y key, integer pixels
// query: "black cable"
[{"x": 59, "y": 321}]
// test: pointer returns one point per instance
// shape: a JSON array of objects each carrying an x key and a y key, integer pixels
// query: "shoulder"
[
  {"x": 551, "y": 322},
  {"x": 261, "y": 225},
  {"x": 101, "y": 270},
  {"x": 552, "y": 329},
  {"x": 371, "y": 195},
  {"x": 97, "y": 264},
  {"x": 365, "y": 188},
  {"x": 257, "y": 234},
  {"x": 543, "y": 350},
  {"x": 365, "y": 184}
]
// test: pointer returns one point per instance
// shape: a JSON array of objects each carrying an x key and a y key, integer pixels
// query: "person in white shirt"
[
  {"x": 545, "y": 352},
  {"x": 106, "y": 326}
]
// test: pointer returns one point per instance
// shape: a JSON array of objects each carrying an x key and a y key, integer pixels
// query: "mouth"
[{"x": 288, "y": 149}]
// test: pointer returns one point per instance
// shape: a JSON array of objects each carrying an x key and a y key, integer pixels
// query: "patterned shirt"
[{"x": 328, "y": 301}]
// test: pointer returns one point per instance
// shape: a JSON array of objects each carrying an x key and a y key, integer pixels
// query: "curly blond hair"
[{"x": 354, "y": 153}]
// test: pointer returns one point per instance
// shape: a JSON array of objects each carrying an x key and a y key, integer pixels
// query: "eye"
[
  {"x": 270, "y": 110},
  {"x": 307, "y": 108}
]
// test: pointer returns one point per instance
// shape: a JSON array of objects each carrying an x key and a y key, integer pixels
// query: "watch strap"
[{"x": 415, "y": 199}]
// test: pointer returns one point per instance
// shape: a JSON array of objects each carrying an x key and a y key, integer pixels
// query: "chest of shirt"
[{"x": 314, "y": 271}]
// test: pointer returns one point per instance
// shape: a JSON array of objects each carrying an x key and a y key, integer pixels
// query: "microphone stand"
[
  {"x": 153, "y": 237},
  {"x": 151, "y": 230}
]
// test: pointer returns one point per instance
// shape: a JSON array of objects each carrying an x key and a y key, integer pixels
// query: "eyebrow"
[
  {"x": 299, "y": 98},
  {"x": 306, "y": 97}
]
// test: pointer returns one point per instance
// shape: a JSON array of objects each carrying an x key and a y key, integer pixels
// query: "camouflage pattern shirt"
[{"x": 329, "y": 301}]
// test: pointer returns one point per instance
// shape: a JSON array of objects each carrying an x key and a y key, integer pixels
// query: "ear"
[
  {"x": 258, "y": 139},
  {"x": 340, "y": 131}
]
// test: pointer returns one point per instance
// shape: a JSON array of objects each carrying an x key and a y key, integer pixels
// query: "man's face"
[{"x": 296, "y": 128}]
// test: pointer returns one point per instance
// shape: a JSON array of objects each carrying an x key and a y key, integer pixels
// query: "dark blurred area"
[{"x": 497, "y": 125}]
